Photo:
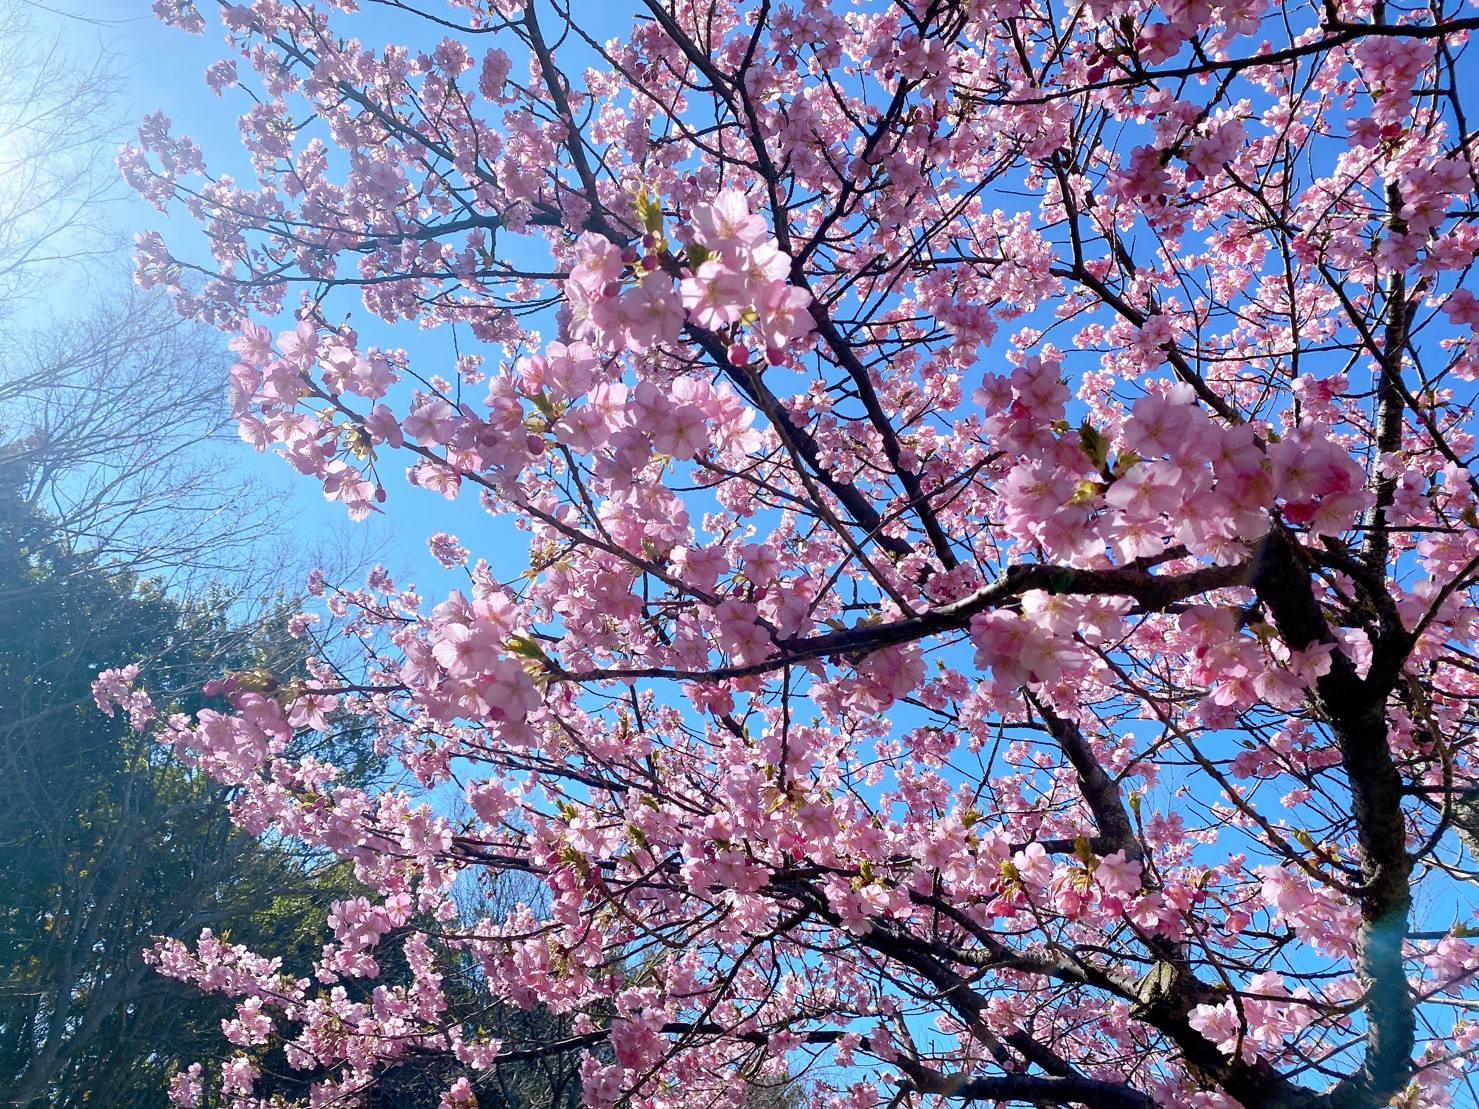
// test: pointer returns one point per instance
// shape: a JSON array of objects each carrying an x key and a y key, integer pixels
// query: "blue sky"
[{"x": 164, "y": 71}]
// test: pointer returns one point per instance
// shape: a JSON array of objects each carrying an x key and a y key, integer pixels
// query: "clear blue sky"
[{"x": 163, "y": 71}]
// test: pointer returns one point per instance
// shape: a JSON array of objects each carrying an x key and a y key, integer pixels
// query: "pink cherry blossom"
[{"x": 981, "y": 598}]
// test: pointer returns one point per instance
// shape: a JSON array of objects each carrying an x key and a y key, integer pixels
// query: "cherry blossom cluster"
[
  {"x": 735, "y": 272},
  {"x": 999, "y": 619}
]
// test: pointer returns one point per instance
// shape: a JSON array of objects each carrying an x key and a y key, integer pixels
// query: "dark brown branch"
[
  {"x": 1341, "y": 35},
  {"x": 1152, "y": 592},
  {"x": 1035, "y": 1089},
  {"x": 1356, "y": 711},
  {"x": 1099, "y": 790},
  {"x": 1390, "y": 390}
]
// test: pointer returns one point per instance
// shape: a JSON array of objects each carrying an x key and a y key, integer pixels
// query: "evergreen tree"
[{"x": 108, "y": 839}]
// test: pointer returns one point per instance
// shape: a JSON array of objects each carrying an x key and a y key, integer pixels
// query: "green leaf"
[
  {"x": 525, "y": 647},
  {"x": 1085, "y": 851},
  {"x": 649, "y": 210},
  {"x": 1093, "y": 444}
]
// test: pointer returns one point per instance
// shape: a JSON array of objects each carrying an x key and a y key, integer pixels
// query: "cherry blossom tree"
[{"x": 999, "y": 617}]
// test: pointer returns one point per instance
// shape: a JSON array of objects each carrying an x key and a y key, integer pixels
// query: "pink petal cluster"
[{"x": 984, "y": 602}]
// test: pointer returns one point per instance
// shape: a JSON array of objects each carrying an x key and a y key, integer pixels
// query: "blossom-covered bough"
[{"x": 999, "y": 619}]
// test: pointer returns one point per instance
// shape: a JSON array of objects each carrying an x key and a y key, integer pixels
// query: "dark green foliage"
[{"x": 107, "y": 839}]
